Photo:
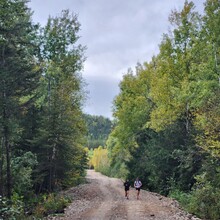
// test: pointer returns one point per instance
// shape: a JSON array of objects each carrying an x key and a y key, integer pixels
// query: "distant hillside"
[{"x": 99, "y": 128}]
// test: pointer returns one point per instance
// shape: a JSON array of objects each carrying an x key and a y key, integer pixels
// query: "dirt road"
[{"x": 102, "y": 198}]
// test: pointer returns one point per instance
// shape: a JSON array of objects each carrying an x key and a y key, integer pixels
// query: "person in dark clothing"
[{"x": 127, "y": 187}]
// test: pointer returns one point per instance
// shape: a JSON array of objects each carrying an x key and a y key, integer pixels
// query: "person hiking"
[
  {"x": 137, "y": 186},
  {"x": 127, "y": 187}
]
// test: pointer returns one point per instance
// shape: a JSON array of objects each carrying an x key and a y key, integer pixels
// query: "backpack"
[{"x": 137, "y": 184}]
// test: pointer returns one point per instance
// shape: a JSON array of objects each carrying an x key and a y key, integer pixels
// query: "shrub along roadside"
[
  {"x": 203, "y": 202},
  {"x": 13, "y": 209},
  {"x": 51, "y": 204},
  {"x": 38, "y": 207}
]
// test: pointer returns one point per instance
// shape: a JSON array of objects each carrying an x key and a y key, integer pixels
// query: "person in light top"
[{"x": 137, "y": 186}]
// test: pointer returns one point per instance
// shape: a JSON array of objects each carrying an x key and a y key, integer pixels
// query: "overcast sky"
[{"x": 117, "y": 34}]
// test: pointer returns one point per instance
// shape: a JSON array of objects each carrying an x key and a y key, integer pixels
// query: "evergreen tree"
[{"x": 18, "y": 77}]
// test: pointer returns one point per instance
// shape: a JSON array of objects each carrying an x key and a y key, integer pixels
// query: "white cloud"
[{"x": 118, "y": 34}]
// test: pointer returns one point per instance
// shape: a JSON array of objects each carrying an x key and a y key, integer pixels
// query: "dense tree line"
[
  {"x": 167, "y": 114},
  {"x": 41, "y": 125},
  {"x": 98, "y": 129}
]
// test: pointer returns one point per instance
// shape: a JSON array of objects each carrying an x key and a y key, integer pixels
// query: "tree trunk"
[
  {"x": 1, "y": 168},
  {"x": 8, "y": 160},
  {"x": 6, "y": 144},
  {"x": 8, "y": 153}
]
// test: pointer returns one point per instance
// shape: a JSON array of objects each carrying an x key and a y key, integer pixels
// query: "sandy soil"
[{"x": 102, "y": 198}]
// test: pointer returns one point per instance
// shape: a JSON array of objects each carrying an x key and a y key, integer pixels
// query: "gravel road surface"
[{"x": 102, "y": 198}]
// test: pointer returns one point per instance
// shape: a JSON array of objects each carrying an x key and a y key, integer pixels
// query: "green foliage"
[
  {"x": 41, "y": 122},
  {"x": 167, "y": 114},
  {"x": 58, "y": 138},
  {"x": 205, "y": 202},
  {"x": 98, "y": 129},
  {"x": 22, "y": 168},
  {"x": 38, "y": 207},
  {"x": 51, "y": 204},
  {"x": 204, "y": 196},
  {"x": 90, "y": 153},
  {"x": 13, "y": 209},
  {"x": 19, "y": 78},
  {"x": 183, "y": 198},
  {"x": 119, "y": 170}
]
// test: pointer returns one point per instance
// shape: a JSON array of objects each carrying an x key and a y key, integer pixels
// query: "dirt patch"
[{"x": 102, "y": 198}]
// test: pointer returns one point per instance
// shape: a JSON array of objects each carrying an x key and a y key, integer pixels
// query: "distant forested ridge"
[
  {"x": 42, "y": 131},
  {"x": 98, "y": 130}
]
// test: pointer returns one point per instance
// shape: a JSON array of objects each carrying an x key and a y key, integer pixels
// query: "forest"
[
  {"x": 42, "y": 130},
  {"x": 166, "y": 117}
]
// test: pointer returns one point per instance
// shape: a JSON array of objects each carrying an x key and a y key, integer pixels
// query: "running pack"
[{"x": 137, "y": 184}]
